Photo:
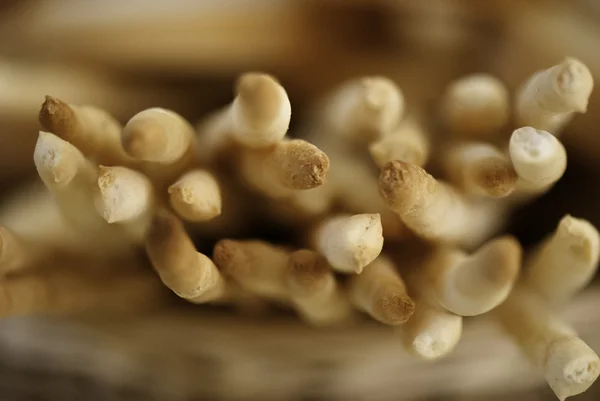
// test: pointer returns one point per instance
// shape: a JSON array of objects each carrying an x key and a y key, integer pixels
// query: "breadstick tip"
[
  {"x": 228, "y": 255},
  {"x": 584, "y": 240},
  {"x": 56, "y": 116},
  {"x": 310, "y": 164},
  {"x": 403, "y": 184},
  {"x": 54, "y": 158},
  {"x": 505, "y": 254},
  {"x": 260, "y": 96},
  {"x": 396, "y": 308},
  {"x": 124, "y": 194},
  {"x": 575, "y": 78},
  {"x": 495, "y": 175}
]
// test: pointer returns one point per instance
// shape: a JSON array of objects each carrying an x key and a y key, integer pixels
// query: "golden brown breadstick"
[
  {"x": 92, "y": 130},
  {"x": 433, "y": 209},
  {"x": 364, "y": 109},
  {"x": 539, "y": 159},
  {"x": 479, "y": 169},
  {"x": 187, "y": 272},
  {"x": 196, "y": 196},
  {"x": 570, "y": 366},
  {"x": 476, "y": 106},
  {"x": 408, "y": 143},
  {"x": 314, "y": 291},
  {"x": 255, "y": 265},
  {"x": 565, "y": 261},
  {"x": 430, "y": 333},
  {"x": 288, "y": 166},
  {"x": 548, "y": 100},
  {"x": 469, "y": 285},
  {"x": 14, "y": 253},
  {"x": 349, "y": 243},
  {"x": 380, "y": 291}
]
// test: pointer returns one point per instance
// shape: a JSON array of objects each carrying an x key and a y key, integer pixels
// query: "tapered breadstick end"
[
  {"x": 196, "y": 196},
  {"x": 258, "y": 94},
  {"x": 574, "y": 78},
  {"x": 582, "y": 237},
  {"x": 403, "y": 185},
  {"x": 496, "y": 176},
  {"x": 55, "y": 158},
  {"x": 57, "y": 117},
  {"x": 124, "y": 194},
  {"x": 308, "y": 165}
]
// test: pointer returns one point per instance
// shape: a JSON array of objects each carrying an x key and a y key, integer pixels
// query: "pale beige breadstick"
[
  {"x": 363, "y": 109},
  {"x": 290, "y": 165},
  {"x": 469, "y": 285},
  {"x": 125, "y": 198},
  {"x": 14, "y": 252},
  {"x": 187, "y": 272},
  {"x": 196, "y": 196},
  {"x": 349, "y": 242},
  {"x": 538, "y": 158},
  {"x": 256, "y": 266},
  {"x": 548, "y": 100},
  {"x": 565, "y": 261},
  {"x": 314, "y": 291},
  {"x": 430, "y": 333},
  {"x": 433, "y": 209},
  {"x": 475, "y": 106},
  {"x": 92, "y": 130},
  {"x": 570, "y": 366},
  {"x": 258, "y": 117},
  {"x": 479, "y": 169},
  {"x": 408, "y": 143},
  {"x": 380, "y": 291}
]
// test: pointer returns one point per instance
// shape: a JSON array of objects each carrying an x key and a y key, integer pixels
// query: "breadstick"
[
  {"x": 548, "y": 100},
  {"x": 433, "y": 209},
  {"x": 380, "y": 291},
  {"x": 476, "y": 106},
  {"x": 288, "y": 166},
  {"x": 255, "y": 265},
  {"x": 364, "y": 109},
  {"x": 92, "y": 130},
  {"x": 539, "y": 159},
  {"x": 469, "y": 285},
  {"x": 570, "y": 366},
  {"x": 314, "y": 290},
  {"x": 14, "y": 253},
  {"x": 565, "y": 261},
  {"x": 349, "y": 243},
  {"x": 187, "y": 272},
  {"x": 196, "y": 196},
  {"x": 408, "y": 143},
  {"x": 430, "y": 333},
  {"x": 479, "y": 169}
]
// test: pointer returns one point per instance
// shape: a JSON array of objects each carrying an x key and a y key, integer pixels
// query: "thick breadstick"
[{"x": 196, "y": 196}]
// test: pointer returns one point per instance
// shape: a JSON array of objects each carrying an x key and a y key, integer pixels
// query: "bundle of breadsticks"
[{"x": 379, "y": 211}]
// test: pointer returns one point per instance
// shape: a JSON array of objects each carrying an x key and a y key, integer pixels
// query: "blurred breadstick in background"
[
  {"x": 380, "y": 291},
  {"x": 479, "y": 169},
  {"x": 475, "y": 106},
  {"x": 565, "y": 261},
  {"x": 290, "y": 165},
  {"x": 14, "y": 253},
  {"x": 538, "y": 158},
  {"x": 92, "y": 130},
  {"x": 314, "y": 291},
  {"x": 349, "y": 242},
  {"x": 430, "y": 333},
  {"x": 257, "y": 266},
  {"x": 468, "y": 285},
  {"x": 433, "y": 209},
  {"x": 569, "y": 365},
  {"x": 196, "y": 196},
  {"x": 548, "y": 100},
  {"x": 408, "y": 143},
  {"x": 258, "y": 117},
  {"x": 187, "y": 272}
]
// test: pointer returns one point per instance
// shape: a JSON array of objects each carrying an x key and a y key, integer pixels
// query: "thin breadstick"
[
  {"x": 479, "y": 169},
  {"x": 314, "y": 291},
  {"x": 548, "y": 100},
  {"x": 350, "y": 242},
  {"x": 14, "y": 253},
  {"x": 257, "y": 266},
  {"x": 288, "y": 166},
  {"x": 539, "y": 159},
  {"x": 434, "y": 210},
  {"x": 408, "y": 143},
  {"x": 92, "y": 130},
  {"x": 570, "y": 366},
  {"x": 364, "y": 109},
  {"x": 187, "y": 272},
  {"x": 380, "y": 291},
  {"x": 565, "y": 261},
  {"x": 196, "y": 196},
  {"x": 469, "y": 285},
  {"x": 430, "y": 333},
  {"x": 476, "y": 106}
]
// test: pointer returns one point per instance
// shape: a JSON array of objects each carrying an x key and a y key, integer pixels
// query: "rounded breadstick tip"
[
  {"x": 432, "y": 334},
  {"x": 382, "y": 97},
  {"x": 402, "y": 185},
  {"x": 308, "y": 269},
  {"x": 55, "y": 159},
  {"x": 228, "y": 255},
  {"x": 260, "y": 97},
  {"x": 308, "y": 165},
  {"x": 196, "y": 196},
  {"x": 575, "y": 80},
  {"x": 582, "y": 238},
  {"x": 496, "y": 176},
  {"x": 394, "y": 308},
  {"x": 504, "y": 256},
  {"x": 143, "y": 138},
  {"x": 56, "y": 116},
  {"x": 124, "y": 194}
]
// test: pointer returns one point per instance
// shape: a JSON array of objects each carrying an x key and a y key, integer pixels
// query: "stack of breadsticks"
[{"x": 364, "y": 228}]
